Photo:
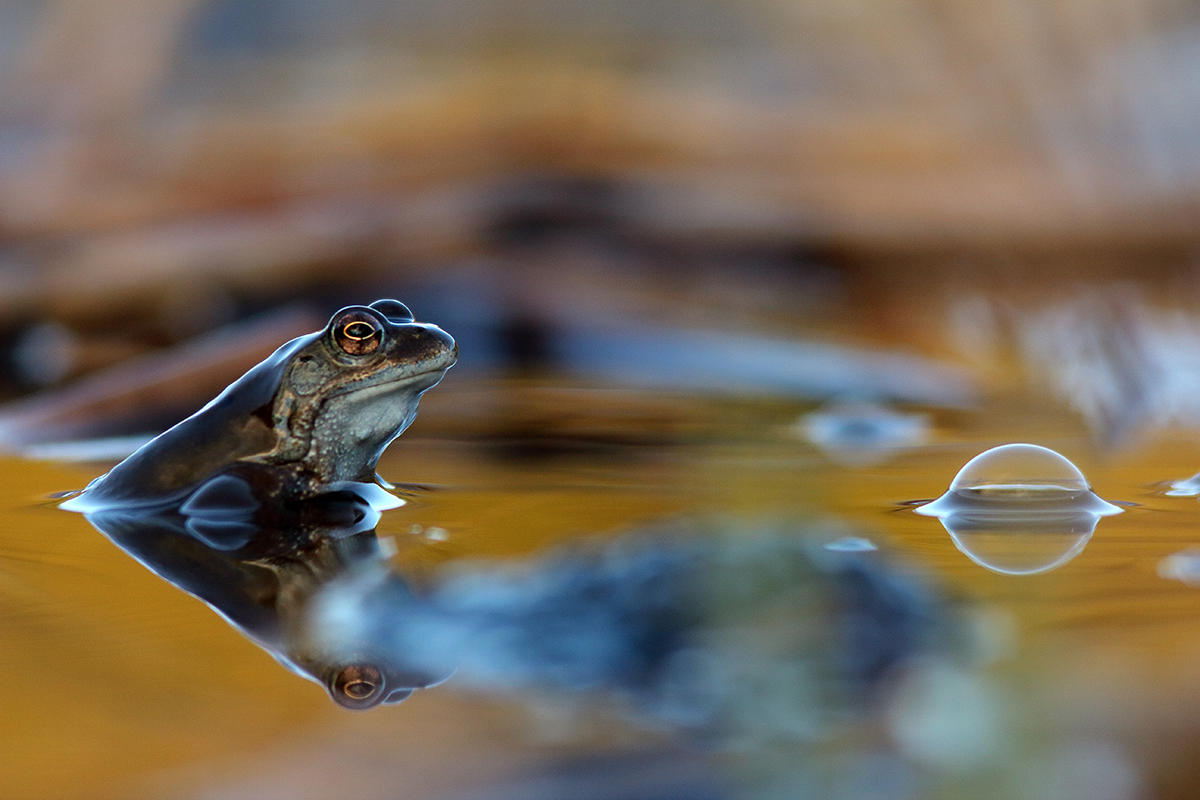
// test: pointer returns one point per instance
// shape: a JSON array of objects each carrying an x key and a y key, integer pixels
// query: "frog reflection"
[
  {"x": 261, "y": 570},
  {"x": 750, "y": 637},
  {"x": 315, "y": 415},
  {"x": 691, "y": 623}
]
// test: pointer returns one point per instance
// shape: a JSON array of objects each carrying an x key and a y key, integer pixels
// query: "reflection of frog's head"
[
  {"x": 357, "y": 675},
  {"x": 358, "y": 686},
  {"x": 361, "y": 686},
  {"x": 352, "y": 389}
]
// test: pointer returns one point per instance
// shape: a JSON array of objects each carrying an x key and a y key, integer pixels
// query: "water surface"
[{"x": 118, "y": 685}]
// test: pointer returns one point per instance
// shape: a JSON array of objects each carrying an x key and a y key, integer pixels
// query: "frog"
[{"x": 313, "y": 417}]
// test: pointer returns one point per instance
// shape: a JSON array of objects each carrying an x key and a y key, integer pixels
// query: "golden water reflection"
[{"x": 118, "y": 685}]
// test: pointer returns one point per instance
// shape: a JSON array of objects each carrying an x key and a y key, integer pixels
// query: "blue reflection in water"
[
  {"x": 1019, "y": 509},
  {"x": 851, "y": 544},
  {"x": 741, "y": 633},
  {"x": 670, "y": 619},
  {"x": 862, "y": 434}
]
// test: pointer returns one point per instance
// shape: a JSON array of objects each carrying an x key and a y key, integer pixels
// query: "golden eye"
[
  {"x": 358, "y": 686},
  {"x": 357, "y": 333},
  {"x": 358, "y": 330}
]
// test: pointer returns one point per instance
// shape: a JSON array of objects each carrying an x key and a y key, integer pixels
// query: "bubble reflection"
[
  {"x": 1183, "y": 566},
  {"x": 1019, "y": 509},
  {"x": 851, "y": 544}
]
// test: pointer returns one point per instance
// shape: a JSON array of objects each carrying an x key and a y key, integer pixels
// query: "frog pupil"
[{"x": 358, "y": 330}]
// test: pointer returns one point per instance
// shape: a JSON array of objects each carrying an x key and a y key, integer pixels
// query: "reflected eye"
[
  {"x": 357, "y": 333},
  {"x": 358, "y": 686}
]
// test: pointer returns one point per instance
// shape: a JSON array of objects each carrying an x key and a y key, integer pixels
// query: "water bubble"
[
  {"x": 1019, "y": 509},
  {"x": 1021, "y": 480}
]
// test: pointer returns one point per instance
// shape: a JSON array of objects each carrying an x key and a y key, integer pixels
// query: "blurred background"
[
  {"x": 167, "y": 168},
  {"x": 740, "y": 256},
  {"x": 176, "y": 158},
  {"x": 915, "y": 171}
]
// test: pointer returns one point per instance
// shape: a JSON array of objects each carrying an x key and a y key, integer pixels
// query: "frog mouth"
[{"x": 432, "y": 376}]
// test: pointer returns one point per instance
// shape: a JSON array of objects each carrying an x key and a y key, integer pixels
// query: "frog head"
[{"x": 351, "y": 390}]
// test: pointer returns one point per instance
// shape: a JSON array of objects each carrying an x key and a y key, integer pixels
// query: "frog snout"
[
  {"x": 434, "y": 343},
  {"x": 445, "y": 340}
]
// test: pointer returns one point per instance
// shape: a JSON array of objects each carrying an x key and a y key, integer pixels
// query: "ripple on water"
[{"x": 1189, "y": 487}]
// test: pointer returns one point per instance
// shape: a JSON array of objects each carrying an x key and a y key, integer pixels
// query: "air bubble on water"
[
  {"x": 1019, "y": 479},
  {"x": 1019, "y": 465},
  {"x": 1019, "y": 509}
]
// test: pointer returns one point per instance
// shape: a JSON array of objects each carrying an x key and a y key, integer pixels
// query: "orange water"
[{"x": 115, "y": 684}]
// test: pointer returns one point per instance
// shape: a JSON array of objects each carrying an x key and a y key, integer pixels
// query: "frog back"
[{"x": 234, "y": 426}]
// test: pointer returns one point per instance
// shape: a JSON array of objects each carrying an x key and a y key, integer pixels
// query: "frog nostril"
[{"x": 431, "y": 338}]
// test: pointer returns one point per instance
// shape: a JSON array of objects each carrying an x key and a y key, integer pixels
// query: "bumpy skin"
[{"x": 320, "y": 410}]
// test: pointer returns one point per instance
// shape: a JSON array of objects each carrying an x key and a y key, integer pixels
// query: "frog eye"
[
  {"x": 357, "y": 686},
  {"x": 357, "y": 333}
]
